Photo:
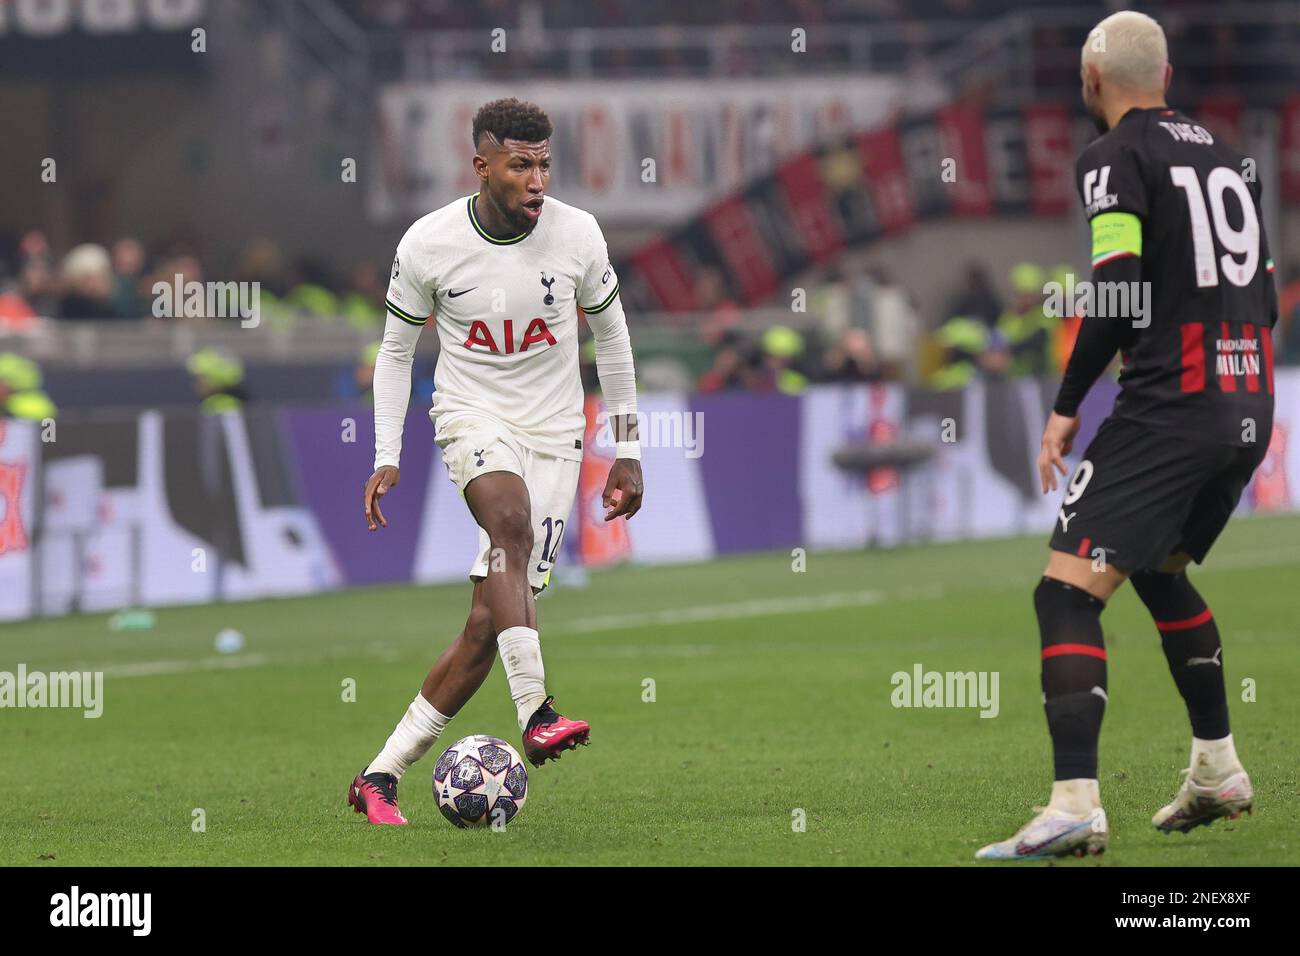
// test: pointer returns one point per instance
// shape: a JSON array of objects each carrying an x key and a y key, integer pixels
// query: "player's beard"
[{"x": 518, "y": 222}]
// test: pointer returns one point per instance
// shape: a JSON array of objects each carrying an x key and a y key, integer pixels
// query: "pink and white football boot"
[
  {"x": 375, "y": 795},
  {"x": 548, "y": 733},
  {"x": 1200, "y": 802}
]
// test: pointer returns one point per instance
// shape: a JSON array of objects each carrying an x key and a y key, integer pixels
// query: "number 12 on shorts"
[{"x": 554, "y": 527}]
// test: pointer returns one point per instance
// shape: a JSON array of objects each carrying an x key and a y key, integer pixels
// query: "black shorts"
[{"x": 1140, "y": 495}]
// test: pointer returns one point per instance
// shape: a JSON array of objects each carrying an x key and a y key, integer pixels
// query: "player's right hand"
[
  {"x": 1058, "y": 439},
  {"x": 383, "y": 479}
]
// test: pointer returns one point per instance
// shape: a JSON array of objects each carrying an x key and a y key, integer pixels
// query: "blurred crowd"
[
  {"x": 863, "y": 327},
  {"x": 572, "y": 14},
  {"x": 575, "y": 14},
  {"x": 855, "y": 328},
  {"x": 22, "y": 393},
  {"x": 91, "y": 281},
  {"x": 1218, "y": 56},
  {"x": 855, "y": 324}
]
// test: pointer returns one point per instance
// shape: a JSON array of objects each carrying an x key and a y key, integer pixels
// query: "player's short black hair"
[{"x": 512, "y": 119}]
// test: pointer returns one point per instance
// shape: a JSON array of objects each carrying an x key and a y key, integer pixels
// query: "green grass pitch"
[{"x": 772, "y": 695}]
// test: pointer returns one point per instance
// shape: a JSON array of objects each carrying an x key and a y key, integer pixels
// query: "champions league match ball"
[{"x": 480, "y": 781}]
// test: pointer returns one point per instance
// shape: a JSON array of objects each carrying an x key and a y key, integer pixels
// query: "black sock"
[
  {"x": 1074, "y": 675},
  {"x": 1190, "y": 639}
]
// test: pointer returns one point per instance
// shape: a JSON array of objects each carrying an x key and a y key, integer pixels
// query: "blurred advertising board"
[{"x": 162, "y": 508}]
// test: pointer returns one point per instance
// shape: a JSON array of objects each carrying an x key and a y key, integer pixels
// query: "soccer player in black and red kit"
[{"x": 1176, "y": 225}]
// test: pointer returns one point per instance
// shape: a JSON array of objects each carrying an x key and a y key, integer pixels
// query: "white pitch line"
[
  {"x": 612, "y": 622},
  {"x": 150, "y": 668},
  {"x": 664, "y": 617},
  {"x": 825, "y": 602},
  {"x": 720, "y": 612}
]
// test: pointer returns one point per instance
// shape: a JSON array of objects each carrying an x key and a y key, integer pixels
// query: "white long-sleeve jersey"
[{"x": 507, "y": 316}]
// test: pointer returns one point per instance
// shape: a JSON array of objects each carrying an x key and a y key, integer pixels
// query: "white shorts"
[{"x": 474, "y": 446}]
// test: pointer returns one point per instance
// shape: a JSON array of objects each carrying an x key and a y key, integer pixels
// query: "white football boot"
[
  {"x": 1053, "y": 833},
  {"x": 1201, "y": 802}
]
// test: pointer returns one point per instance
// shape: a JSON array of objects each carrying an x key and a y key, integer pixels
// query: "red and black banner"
[{"x": 960, "y": 162}]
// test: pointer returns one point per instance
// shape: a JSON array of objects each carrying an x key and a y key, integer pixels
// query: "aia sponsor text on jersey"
[{"x": 481, "y": 336}]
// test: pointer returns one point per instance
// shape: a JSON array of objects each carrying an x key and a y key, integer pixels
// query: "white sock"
[
  {"x": 1212, "y": 760},
  {"x": 1078, "y": 796},
  {"x": 521, "y": 652},
  {"x": 411, "y": 739}
]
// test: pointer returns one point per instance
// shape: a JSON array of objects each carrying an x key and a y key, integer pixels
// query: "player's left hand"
[
  {"x": 1058, "y": 439},
  {"x": 376, "y": 487},
  {"x": 624, "y": 478}
]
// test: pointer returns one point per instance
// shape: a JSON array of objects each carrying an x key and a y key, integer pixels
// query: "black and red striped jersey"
[{"x": 1198, "y": 357}]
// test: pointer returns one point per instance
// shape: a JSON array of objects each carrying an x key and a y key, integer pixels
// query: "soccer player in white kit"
[{"x": 503, "y": 273}]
